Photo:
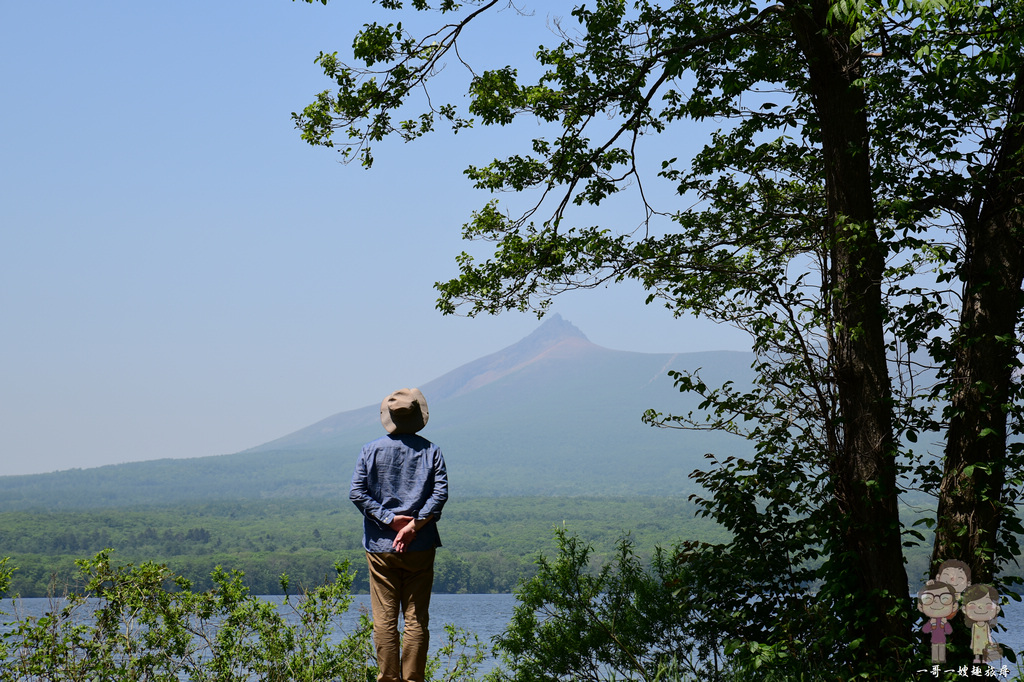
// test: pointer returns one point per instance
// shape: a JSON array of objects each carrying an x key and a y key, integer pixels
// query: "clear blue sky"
[{"x": 182, "y": 276}]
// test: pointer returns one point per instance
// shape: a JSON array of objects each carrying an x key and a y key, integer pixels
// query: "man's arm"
[
  {"x": 431, "y": 509},
  {"x": 360, "y": 495},
  {"x": 399, "y": 521}
]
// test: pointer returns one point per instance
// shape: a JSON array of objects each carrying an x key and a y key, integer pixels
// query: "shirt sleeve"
[
  {"x": 439, "y": 495},
  {"x": 360, "y": 495}
]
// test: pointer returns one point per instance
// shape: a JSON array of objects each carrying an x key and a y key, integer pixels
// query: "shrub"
[{"x": 146, "y": 623}]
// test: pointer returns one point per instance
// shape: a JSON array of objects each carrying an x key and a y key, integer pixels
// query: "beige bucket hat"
[{"x": 404, "y": 411}]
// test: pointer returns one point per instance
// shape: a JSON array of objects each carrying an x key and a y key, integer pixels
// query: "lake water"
[{"x": 487, "y": 615}]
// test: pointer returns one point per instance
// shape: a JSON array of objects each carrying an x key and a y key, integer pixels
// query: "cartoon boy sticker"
[
  {"x": 938, "y": 602},
  {"x": 981, "y": 606},
  {"x": 956, "y": 573}
]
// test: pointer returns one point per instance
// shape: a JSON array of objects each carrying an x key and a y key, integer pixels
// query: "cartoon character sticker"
[
  {"x": 956, "y": 573},
  {"x": 938, "y": 602},
  {"x": 981, "y": 606}
]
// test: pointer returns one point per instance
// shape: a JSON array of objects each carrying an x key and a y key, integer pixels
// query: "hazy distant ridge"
[
  {"x": 556, "y": 336},
  {"x": 552, "y": 414}
]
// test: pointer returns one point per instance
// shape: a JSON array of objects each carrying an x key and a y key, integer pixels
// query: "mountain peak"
[
  {"x": 554, "y": 329},
  {"x": 553, "y": 335},
  {"x": 556, "y": 337}
]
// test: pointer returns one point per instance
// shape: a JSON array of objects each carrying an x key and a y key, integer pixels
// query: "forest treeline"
[{"x": 490, "y": 544}]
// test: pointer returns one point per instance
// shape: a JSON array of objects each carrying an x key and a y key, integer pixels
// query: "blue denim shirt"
[{"x": 399, "y": 474}]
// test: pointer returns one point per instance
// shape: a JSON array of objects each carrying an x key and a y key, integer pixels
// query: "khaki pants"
[{"x": 401, "y": 583}]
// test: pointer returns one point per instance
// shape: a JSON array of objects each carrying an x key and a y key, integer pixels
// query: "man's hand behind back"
[
  {"x": 405, "y": 537},
  {"x": 400, "y": 522}
]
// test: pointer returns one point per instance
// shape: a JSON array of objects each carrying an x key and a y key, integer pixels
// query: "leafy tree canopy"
[{"x": 857, "y": 209}]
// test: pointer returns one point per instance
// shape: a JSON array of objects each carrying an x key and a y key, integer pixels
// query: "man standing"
[{"x": 400, "y": 485}]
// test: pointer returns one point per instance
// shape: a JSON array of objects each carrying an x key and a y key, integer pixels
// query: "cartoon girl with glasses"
[{"x": 938, "y": 602}]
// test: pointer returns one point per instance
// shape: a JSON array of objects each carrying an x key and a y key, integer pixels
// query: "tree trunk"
[
  {"x": 971, "y": 493},
  {"x": 864, "y": 473}
]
